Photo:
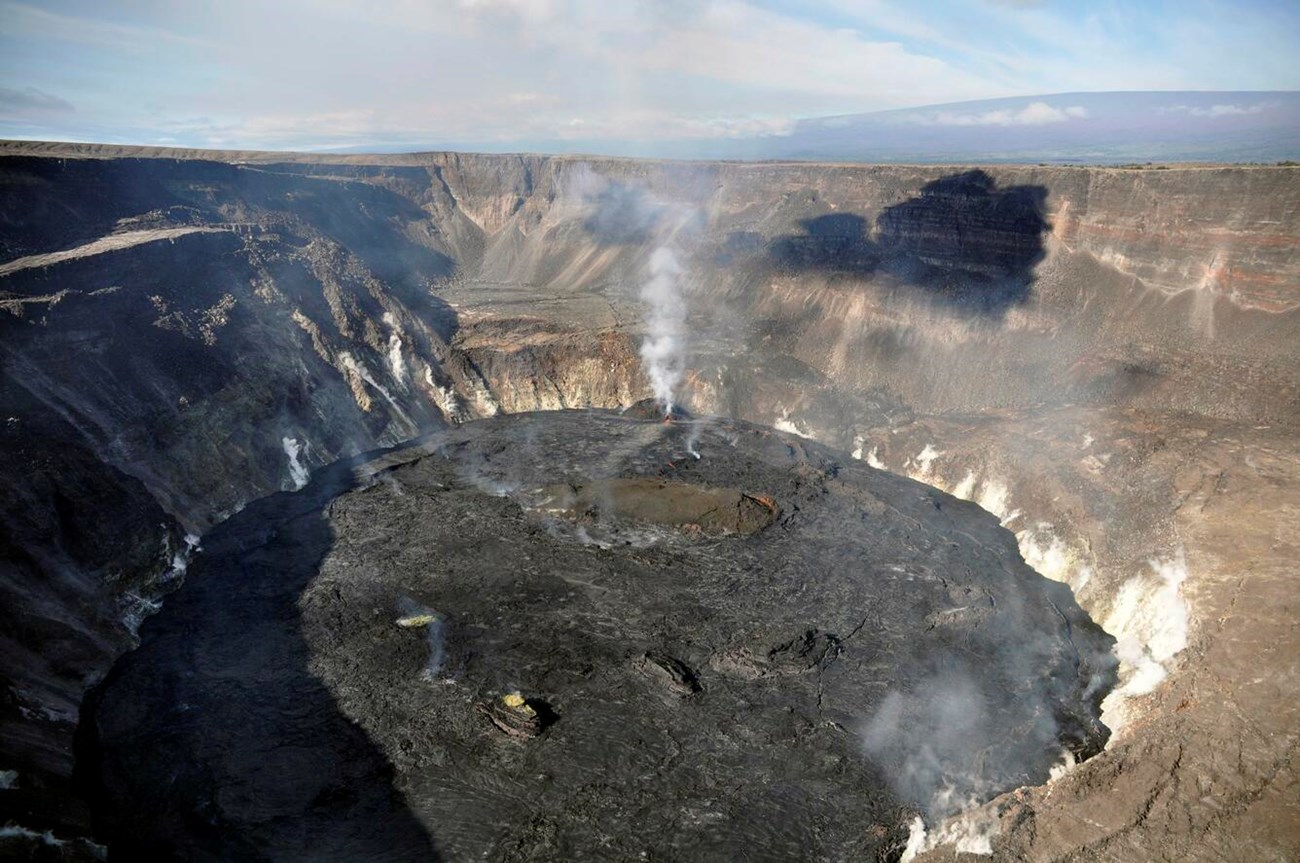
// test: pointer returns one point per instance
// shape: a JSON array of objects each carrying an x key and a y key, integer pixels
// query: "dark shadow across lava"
[{"x": 214, "y": 739}]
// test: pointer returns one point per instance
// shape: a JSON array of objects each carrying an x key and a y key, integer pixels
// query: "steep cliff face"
[
  {"x": 191, "y": 331},
  {"x": 387, "y": 285}
]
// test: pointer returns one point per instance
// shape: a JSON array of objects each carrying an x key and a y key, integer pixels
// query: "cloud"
[
  {"x": 461, "y": 73},
  {"x": 33, "y": 22},
  {"x": 633, "y": 125},
  {"x": 1215, "y": 111},
  {"x": 528, "y": 8},
  {"x": 743, "y": 45},
  {"x": 31, "y": 99},
  {"x": 1033, "y": 114},
  {"x": 468, "y": 72}
]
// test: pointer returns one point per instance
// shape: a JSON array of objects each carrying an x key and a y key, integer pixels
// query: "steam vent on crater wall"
[{"x": 469, "y": 507}]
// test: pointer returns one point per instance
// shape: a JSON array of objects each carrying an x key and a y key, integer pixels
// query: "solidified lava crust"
[{"x": 613, "y": 677}]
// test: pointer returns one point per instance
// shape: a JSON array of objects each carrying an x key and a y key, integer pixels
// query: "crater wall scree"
[{"x": 1104, "y": 358}]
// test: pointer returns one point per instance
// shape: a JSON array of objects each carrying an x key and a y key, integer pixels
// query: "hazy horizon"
[
  {"x": 563, "y": 75},
  {"x": 1064, "y": 128}
]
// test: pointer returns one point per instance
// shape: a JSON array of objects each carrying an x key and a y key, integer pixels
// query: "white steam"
[
  {"x": 1149, "y": 619},
  {"x": 446, "y": 398},
  {"x": 915, "y": 840},
  {"x": 396, "y": 362},
  {"x": 966, "y": 488},
  {"x": 13, "y": 831},
  {"x": 925, "y": 738},
  {"x": 994, "y": 497},
  {"x": 181, "y": 558},
  {"x": 1064, "y": 766},
  {"x": 358, "y": 368},
  {"x": 437, "y": 649},
  {"x": 629, "y": 215},
  {"x": 416, "y": 616},
  {"x": 969, "y": 832},
  {"x": 991, "y": 493},
  {"x": 298, "y": 473},
  {"x": 135, "y": 609},
  {"x": 786, "y": 424},
  {"x": 485, "y": 404},
  {"x": 925, "y": 460},
  {"x": 1148, "y": 615},
  {"x": 663, "y": 350},
  {"x": 1049, "y": 556},
  {"x": 693, "y": 439}
]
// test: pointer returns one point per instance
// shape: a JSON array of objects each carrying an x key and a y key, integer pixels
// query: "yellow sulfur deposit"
[
  {"x": 515, "y": 701},
  {"x": 411, "y": 621}
]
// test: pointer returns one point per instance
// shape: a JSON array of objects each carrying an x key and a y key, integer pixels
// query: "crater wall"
[{"x": 1110, "y": 352}]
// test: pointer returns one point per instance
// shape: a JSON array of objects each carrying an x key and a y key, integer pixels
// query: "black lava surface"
[{"x": 876, "y": 650}]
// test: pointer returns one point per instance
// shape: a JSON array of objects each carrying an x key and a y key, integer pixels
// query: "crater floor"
[{"x": 772, "y": 651}]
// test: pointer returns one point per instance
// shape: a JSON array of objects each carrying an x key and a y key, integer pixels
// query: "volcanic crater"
[
  {"x": 334, "y": 522},
  {"x": 798, "y": 673}
]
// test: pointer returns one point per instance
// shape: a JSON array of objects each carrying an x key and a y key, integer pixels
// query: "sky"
[{"x": 331, "y": 74}]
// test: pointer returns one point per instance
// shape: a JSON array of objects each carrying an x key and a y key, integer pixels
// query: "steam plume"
[
  {"x": 298, "y": 473},
  {"x": 628, "y": 214},
  {"x": 693, "y": 439},
  {"x": 416, "y": 616},
  {"x": 437, "y": 649},
  {"x": 947, "y": 744},
  {"x": 923, "y": 737},
  {"x": 663, "y": 348}
]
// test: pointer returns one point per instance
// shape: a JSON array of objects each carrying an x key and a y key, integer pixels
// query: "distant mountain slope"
[
  {"x": 1092, "y": 128},
  {"x": 1088, "y": 127},
  {"x": 1250, "y": 126}
]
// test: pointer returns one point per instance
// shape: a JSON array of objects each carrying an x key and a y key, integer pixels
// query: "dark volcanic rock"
[
  {"x": 85, "y": 552},
  {"x": 641, "y": 500},
  {"x": 181, "y": 332},
  {"x": 213, "y": 740},
  {"x": 669, "y": 672},
  {"x": 665, "y": 691},
  {"x": 515, "y": 716},
  {"x": 767, "y": 655}
]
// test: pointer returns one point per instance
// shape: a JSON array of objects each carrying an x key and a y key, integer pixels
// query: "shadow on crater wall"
[{"x": 963, "y": 241}]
